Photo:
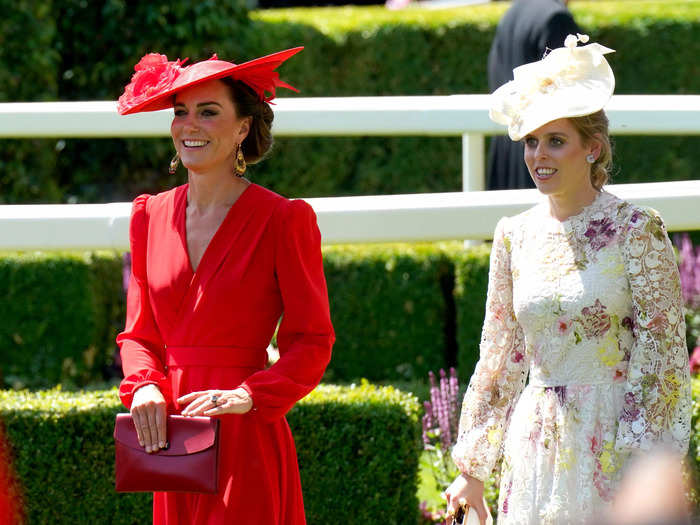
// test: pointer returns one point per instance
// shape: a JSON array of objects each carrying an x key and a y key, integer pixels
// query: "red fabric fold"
[{"x": 306, "y": 335}]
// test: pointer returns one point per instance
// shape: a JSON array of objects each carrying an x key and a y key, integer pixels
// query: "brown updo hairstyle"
[
  {"x": 247, "y": 103},
  {"x": 595, "y": 127}
]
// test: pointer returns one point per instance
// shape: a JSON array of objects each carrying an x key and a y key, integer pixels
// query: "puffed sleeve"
[
  {"x": 657, "y": 402},
  {"x": 500, "y": 374},
  {"x": 305, "y": 335},
  {"x": 142, "y": 348}
]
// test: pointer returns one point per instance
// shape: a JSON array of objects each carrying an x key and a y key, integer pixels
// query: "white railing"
[
  {"x": 471, "y": 214},
  {"x": 453, "y": 115},
  {"x": 417, "y": 217}
]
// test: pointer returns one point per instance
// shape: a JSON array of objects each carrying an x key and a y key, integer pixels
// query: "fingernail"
[
  {"x": 149, "y": 449},
  {"x": 162, "y": 444}
]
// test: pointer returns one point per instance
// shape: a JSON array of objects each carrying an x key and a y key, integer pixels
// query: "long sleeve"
[
  {"x": 500, "y": 374},
  {"x": 305, "y": 336},
  {"x": 142, "y": 348},
  {"x": 657, "y": 403}
]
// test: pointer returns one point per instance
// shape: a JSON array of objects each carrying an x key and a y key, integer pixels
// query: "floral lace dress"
[{"x": 591, "y": 309}]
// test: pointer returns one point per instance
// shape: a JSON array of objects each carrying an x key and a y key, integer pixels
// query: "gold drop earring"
[
  {"x": 240, "y": 166},
  {"x": 174, "y": 163}
]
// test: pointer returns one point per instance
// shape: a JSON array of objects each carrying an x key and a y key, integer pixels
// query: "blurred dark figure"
[{"x": 527, "y": 29}]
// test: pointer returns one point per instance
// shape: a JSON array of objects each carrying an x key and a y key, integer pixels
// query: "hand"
[
  {"x": 216, "y": 402},
  {"x": 148, "y": 410},
  {"x": 466, "y": 491}
]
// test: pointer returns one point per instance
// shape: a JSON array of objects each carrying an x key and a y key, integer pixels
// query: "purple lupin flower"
[
  {"x": 445, "y": 430},
  {"x": 126, "y": 270},
  {"x": 696, "y": 275},
  {"x": 689, "y": 269},
  {"x": 428, "y": 422},
  {"x": 441, "y": 418},
  {"x": 454, "y": 402}
]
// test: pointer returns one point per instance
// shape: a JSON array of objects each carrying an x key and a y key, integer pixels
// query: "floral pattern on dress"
[{"x": 582, "y": 359}]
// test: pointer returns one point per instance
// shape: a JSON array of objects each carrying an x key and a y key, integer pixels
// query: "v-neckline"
[{"x": 182, "y": 221}]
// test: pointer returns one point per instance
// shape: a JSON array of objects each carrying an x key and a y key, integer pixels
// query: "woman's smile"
[
  {"x": 194, "y": 143},
  {"x": 544, "y": 174}
]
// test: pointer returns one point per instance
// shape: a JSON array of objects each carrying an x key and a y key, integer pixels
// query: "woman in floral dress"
[{"x": 583, "y": 353}]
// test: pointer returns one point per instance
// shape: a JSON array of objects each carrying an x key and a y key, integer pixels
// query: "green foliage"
[
  {"x": 58, "y": 314},
  {"x": 361, "y": 442},
  {"x": 350, "y": 51},
  {"x": 392, "y": 307},
  {"x": 694, "y": 448},
  {"x": 372, "y": 51},
  {"x": 471, "y": 283},
  {"x": 28, "y": 65},
  {"x": 64, "y": 457},
  {"x": 388, "y": 309},
  {"x": 361, "y": 445},
  {"x": 96, "y": 65}
]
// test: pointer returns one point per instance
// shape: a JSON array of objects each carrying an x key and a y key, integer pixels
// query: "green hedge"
[
  {"x": 388, "y": 305},
  {"x": 393, "y": 309},
  {"x": 28, "y": 71},
  {"x": 349, "y": 52},
  {"x": 59, "y": 317},
  {"x": 358, "y": 444},
  {"x": 471, "y": 282},
  {"x": 53, "y": 51}
]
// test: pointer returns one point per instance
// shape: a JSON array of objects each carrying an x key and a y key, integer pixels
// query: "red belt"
[{"x": 219, "y": 356}]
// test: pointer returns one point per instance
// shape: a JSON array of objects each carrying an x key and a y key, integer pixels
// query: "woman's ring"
[{"x": 214, "y": 399}]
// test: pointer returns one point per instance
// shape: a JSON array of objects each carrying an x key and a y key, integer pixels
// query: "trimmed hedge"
[
  {"x": 349, "y": 52},
  {"x": 28, "y": 71},
  {"x": 471, "y": 283},
  {"x": 359, "y": 444},
  {"x": 393, "y": 309},
  {"x": 388, "y": 305},
  {"x": 372, "y": 51},
  {"x": 59, "y": 315}
]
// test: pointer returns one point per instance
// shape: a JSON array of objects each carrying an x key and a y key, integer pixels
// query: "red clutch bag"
[{"x": 189, "y": 464}]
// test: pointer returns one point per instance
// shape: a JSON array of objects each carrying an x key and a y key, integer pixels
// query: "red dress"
[{"x": 209, "y": 329}]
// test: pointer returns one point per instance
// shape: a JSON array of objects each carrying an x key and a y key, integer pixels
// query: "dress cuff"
[
  {"x": 132, "y": 383},
  {"x": 247, "y": 388},
  {"x": 469, "y": 467}
]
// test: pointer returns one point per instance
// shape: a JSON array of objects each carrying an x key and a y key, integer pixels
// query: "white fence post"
[{"x": 473, "y": 170}]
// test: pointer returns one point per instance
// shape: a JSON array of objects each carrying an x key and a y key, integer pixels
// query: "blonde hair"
[{"x": 591, "y": 128}]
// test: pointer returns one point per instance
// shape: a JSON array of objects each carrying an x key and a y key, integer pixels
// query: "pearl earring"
[{"x": 590, "y": 158}]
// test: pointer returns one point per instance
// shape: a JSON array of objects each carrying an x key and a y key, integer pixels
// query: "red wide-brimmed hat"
[{"x": 156, "y": 79}]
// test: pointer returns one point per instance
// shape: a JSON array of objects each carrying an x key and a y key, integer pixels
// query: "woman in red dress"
[{"x": 215, "y": 263}]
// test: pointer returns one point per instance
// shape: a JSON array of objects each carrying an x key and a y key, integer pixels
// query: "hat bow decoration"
[{"x": 569, "y": 81}]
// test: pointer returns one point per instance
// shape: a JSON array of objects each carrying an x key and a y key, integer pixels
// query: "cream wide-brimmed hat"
[{"x": 570, "y": 81}]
